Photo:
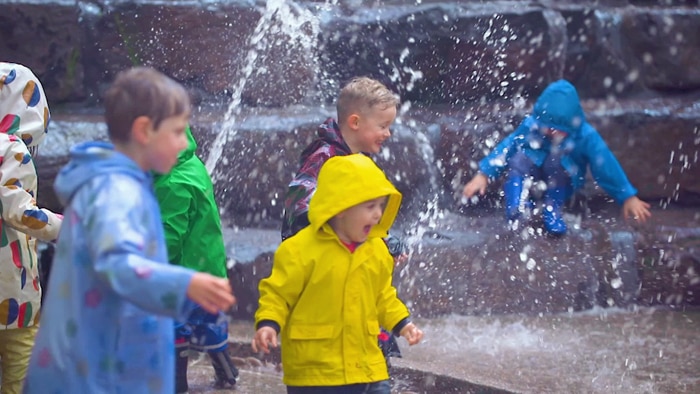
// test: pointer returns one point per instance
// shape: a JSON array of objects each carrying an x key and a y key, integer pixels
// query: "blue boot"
[
  {"x": 512, "y": 190},
  {"x": 552, "y": 217}
]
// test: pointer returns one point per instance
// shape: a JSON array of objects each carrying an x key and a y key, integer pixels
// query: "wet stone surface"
[{"x": 624, "y": 351}]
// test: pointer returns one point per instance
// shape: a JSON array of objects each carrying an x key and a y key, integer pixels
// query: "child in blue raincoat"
[
  {"x": 555, "y": 144},
  {"x": 107, "y": 325}
]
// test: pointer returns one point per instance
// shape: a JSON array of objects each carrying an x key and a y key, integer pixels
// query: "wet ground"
[{"x": 644, "y": 350}]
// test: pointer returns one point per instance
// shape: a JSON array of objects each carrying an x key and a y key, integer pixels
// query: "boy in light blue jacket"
[
  {"x": 555, "y": 144},
  {"x": 107, "y": 324}
]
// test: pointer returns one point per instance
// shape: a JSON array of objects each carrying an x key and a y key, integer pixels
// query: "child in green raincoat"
[{"x": 194, "y": 239}]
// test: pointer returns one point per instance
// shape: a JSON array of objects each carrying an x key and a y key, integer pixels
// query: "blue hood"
[
  {"x": 559, "y": 107},
  {"x": 87, "y": 161}
]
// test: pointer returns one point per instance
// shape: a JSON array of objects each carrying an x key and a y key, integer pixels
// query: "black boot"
[
  {"x": 182, "y": 351},
  {"x": 226, "y": 372}
]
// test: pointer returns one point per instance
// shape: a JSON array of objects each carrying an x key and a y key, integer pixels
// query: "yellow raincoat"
[{"x": 329, "y": 302}]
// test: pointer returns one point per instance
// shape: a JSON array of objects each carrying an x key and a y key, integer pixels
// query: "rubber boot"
[
  {"x": 512, "y": 191},
  {"x": 552, "y": 214},
  {"x": 226, "y": 372},
  {"x": 182, "y": 351}
]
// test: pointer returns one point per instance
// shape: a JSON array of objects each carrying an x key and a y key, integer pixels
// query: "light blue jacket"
[
  {"x": 107, "y": 324},
  {"x": 558, "y": 107}
]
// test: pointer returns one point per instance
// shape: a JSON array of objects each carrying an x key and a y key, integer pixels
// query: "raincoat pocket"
[
  {"x": 310, "y": 332},
  {"x": 373, "y": 327},
  {"x": 312, "y": 346}
]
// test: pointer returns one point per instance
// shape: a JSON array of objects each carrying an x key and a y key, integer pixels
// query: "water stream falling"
[
  {"x": 281, "y": 19},
  {"x": 632, "y": 354}
]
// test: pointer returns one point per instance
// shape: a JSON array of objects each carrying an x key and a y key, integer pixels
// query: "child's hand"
[
  {"x": 400, "y": 259},
  {"x": 636, "y": 209},
  {"x": 264, "y": 336},
  {"x": 412, "y": 333},
  {"x": 477, "y": 184},
  {"x": 213, "y": 294}
]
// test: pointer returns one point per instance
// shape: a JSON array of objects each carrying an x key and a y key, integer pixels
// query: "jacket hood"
[
  {"x": 345, "y": 181},
  {"x": 24, "y": 111},
  {"x": 328, "y": 133},
  {"x": 559, "y": 107},
  {"x": 89, "y": 160}
]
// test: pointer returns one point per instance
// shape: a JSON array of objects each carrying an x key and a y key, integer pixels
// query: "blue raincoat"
[
  {"x": 558, "y": 107},
  {"x": 107, "y": 324}
]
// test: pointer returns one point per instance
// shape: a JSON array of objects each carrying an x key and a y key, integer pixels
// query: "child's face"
[
  {"x": 554, "y": 134},
  {"x": 372, "y": 129},
  {"x": 353, "y": 224},
  {"x": 166, "y": 143}
]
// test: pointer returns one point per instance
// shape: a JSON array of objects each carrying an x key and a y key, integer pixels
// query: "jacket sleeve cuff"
[
  {"x": 398, "y": 327},
  {"x": 268, "y": 323}
]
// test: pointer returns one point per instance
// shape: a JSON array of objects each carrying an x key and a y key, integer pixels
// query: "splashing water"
[
  {"x": 498, "y": 34},
  {"x": 280, "y": 19}
]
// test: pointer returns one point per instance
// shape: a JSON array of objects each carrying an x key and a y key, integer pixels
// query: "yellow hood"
[{"x": 345, "y": 181}]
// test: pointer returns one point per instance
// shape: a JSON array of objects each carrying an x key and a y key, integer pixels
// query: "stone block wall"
[{"x": 467, "y": 72}]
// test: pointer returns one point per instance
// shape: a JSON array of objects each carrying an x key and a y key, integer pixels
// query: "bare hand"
[
  {"x": 636, "y": 209},
  {"x": 412, "y": 334},
  {"x": 400, "y": 259},
  {"x": 263, "y": 337},
  {"x": 476, "y": 184},
  {"x": 213, "y": 294}
]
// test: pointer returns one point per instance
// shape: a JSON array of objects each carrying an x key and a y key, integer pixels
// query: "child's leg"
[
  {"x": 519, "y": 167},
  {"x": 558, "y": 190},
  {"x": 210, "y": 335},
  {"x": 15, "y": 350},
  {"x": 183, "y": 334},
  {"x": 382, "y": 387},
  {"x": 555, "y": 174},
  {"x": 226, "y": 372}
]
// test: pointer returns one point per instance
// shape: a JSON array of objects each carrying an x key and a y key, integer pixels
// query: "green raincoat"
[
  {"x": 190, "y": 214},
  {"x": 327, "y": 301}
]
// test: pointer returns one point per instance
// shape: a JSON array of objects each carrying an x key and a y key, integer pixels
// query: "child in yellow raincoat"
[{"x": 330, "y": 287}]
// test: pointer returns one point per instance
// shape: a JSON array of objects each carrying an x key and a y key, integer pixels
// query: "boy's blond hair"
[
  {"x": 142, "y": 91},
  {"x": 362, "y": 94}
]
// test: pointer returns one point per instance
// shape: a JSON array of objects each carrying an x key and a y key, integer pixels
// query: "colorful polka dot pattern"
[{"x": 24, "y": 118}]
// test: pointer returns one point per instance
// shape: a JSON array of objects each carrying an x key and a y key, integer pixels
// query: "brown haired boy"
[{"x": 108, "y": 322}]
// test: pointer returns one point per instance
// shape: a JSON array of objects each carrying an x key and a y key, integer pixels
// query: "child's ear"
[
  {"x": 140, "y": 129},
  {"x": 354, "y": 121}
]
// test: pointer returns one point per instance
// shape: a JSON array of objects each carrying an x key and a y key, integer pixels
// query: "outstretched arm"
[{"x": 123, "y": 243}]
